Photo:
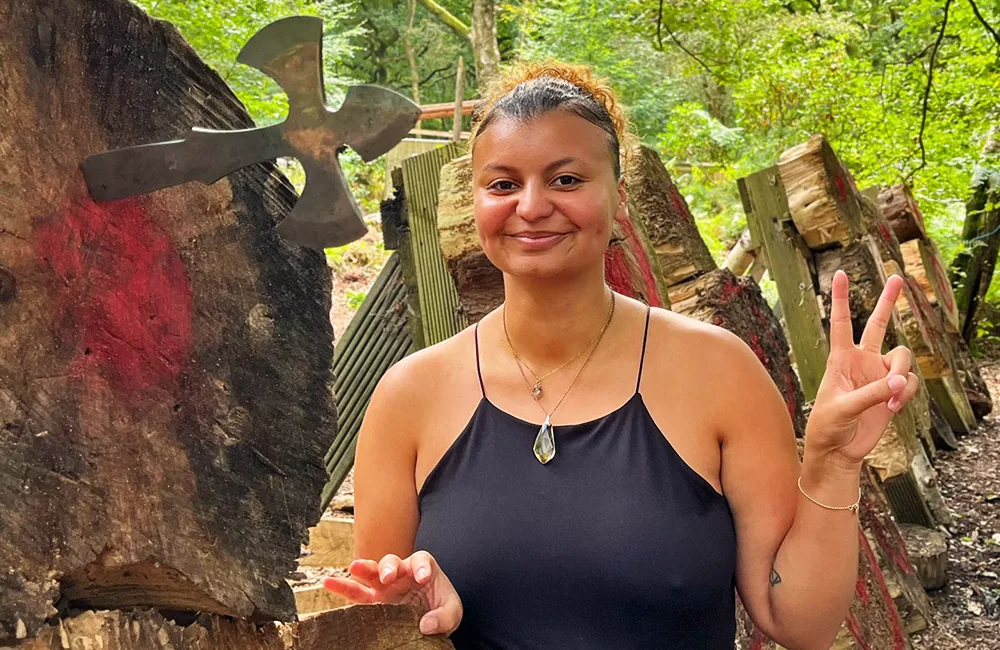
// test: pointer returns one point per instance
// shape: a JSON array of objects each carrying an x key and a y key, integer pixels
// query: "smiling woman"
[{"x": 579, "y": 470}]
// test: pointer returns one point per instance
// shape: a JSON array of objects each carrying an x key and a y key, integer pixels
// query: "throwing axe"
[{"x": 290, "y": 51}]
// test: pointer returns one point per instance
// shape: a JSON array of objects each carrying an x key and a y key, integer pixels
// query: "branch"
[
  {"x": 434, "y": 72},
  {"x": 659, "y": 24},
  {"x": 693, "y": 55},
  {"x": 975, "y": 10},
  {"x": 447, "y": 18},
  {"x": 927, "y": 92}
]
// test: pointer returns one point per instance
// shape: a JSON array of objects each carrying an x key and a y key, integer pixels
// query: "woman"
[{"x": 579, "y": 471}]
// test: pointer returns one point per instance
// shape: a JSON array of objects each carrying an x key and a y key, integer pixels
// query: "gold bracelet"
[{"x": 853, "y": 507}]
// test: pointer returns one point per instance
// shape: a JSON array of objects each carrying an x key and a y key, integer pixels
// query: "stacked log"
[
  {"x": 713, "y": 295},
  {"x": 165, "y": 384},
  {"x": 923, "y": 262}
]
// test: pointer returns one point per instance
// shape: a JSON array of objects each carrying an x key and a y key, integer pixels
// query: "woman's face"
[{"x": 545, "y": 194}]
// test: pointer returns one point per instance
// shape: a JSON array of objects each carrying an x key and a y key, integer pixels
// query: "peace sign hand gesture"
[{"x": 862, "y": 388}]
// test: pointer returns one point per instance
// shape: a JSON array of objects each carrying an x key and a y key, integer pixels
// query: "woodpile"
[{"x": 166, "y": 387}]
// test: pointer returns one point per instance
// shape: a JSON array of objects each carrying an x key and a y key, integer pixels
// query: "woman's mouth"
[{"x": 538, "y": 240}]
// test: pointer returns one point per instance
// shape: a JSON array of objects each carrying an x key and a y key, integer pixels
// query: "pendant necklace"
[
  {"x": 536, "y": 388},
  {"x": 545, "y": 442}
]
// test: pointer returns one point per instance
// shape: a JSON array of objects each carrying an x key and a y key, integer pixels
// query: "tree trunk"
[
  {"x": 484, "y": 40},
  {"x": 361, "y": 627},
  {"x": 165, "y": 385},
  {"x": 972, "y": 268}
]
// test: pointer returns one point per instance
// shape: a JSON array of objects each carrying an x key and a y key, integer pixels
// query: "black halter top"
[{"x": 615, "y": 543}]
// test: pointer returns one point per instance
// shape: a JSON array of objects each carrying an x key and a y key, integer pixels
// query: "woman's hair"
[{"x": 528, "y": 90}]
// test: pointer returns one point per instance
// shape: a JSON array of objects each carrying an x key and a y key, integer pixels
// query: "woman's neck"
[{"x": 549, "y": 322}]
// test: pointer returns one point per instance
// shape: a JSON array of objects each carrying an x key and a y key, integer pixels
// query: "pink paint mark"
[
  {"x": 122, "y": 296},
  {"x": 645, "y": 266},
  {"x": 942, "y": 280},
  {"x": 883, "y": 230},
  {"x": 841, "y": 186},
  {"x": 680, "y": 205}
]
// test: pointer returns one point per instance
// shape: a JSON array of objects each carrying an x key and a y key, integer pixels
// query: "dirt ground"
[{"x": 967, "y": 609}]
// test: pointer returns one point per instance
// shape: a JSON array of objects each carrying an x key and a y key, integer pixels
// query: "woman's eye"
[
  {"x": 503, "y": 186},
  {"x": 566, "y": 180}
]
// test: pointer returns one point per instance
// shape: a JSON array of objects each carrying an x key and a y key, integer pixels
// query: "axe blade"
[
  {"x": 373, "y": 119},
  {"x": 326, "y": 215}
]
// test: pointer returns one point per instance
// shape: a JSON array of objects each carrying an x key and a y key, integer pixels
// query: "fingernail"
[
  {"x": 428, "y": 625},
  {"x": 894, "y": 405},
  {"x": 422, "y": 573},
  {"x": 384, "y": 573},
  {"x": 897, "y": 383}
]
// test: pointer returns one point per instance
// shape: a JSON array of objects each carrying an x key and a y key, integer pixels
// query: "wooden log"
[
  {"x": 924, "y": 263},
  {"x": 890, "y": 550},
  {"x": 314, "y": 599},
  {"x": 664, "y": 215},
  {"x": 736, "y": 304},
  {"x": 742, "y": 255},
  {"x": 822, "y": 197},
  {"x": 360, "y": 627},
  {"x": 968, "y": 373},
  {"x": 972, "y": 269},
  {"x": 165, "y": 382},
  {"x": 902, "y": 212},
  {"x": 629, "y": 267},
  {"x": 928, "y": 550}
]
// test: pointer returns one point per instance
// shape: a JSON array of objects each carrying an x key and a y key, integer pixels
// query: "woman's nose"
[{"x": 533, "y": 202}]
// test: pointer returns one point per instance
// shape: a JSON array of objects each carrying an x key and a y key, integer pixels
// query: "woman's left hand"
[{"x": 862, "y": 388}]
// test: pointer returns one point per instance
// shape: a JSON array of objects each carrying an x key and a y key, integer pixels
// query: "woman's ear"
[{"x": 621, "y": 212}]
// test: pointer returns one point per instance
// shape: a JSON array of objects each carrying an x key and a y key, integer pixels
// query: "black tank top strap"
[
  {"x": 642, "y": 357},
  {"x": 479, "y": 369}
]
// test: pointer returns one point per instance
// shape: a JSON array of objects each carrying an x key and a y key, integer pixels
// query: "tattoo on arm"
[{"x": 775, "y": 578}]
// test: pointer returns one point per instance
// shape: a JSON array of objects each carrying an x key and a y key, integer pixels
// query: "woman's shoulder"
[
  {"x": 704, "y": 346},
  {"x": 426, "y": 372}
]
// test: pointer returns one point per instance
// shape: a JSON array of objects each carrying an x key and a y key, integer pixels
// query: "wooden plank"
[
  {"x": 315, "y": 599},
  {"x": 439, "y": 312},
  {"x": 331, "y": 544},
  {"x": 766, "y": 206},
  {"x": 377, "y": 337}
]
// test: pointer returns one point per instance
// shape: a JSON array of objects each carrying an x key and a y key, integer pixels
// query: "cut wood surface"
[
  {"x": 822, "y": 197},
  {"x": 928, "y": 550},
  {"x": 360, "y": 627},
  {"x": 659, "y": 206},
  {"x": 165, "y": 382},
  {"x": 902, "y": 212}
]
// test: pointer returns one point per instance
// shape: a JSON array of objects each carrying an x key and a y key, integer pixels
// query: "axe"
[{"x": 290, "y": 51}]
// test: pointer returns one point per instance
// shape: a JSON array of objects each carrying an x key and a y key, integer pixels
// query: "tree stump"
[
  {"x": 360, "y": 627},
  {"x": 928, "y": 550},
  {"x": 165, "y": 387}
]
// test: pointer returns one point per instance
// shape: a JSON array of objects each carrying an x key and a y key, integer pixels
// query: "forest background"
[{"x": 905, "y": 90}]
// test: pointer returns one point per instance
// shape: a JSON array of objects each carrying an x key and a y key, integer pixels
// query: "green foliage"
[{"x": 355, "y": 298}]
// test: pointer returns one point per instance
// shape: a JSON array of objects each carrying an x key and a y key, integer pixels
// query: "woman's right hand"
[{"x": 416, "y": 580}]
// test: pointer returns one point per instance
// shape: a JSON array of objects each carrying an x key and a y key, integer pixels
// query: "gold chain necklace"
[
  {"x": 545, "y": 443},
  {"x": 536, "y": 388}
]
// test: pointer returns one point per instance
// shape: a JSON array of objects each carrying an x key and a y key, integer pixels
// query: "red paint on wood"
[
  {"x": 855, "y": 629},
  {"x": 680, "y": 205},
  {"x": 898, "y": 635},
  {"x": 645, "y": 266},
  {"x": 838, "y": 182},
  {"x": 121, "y": 293},
  {"x": 942, "y": 279}
]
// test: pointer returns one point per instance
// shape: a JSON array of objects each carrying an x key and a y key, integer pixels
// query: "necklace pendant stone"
[
  {"x": 545, "y": 442},
  {"x": 536, "y": 391}
]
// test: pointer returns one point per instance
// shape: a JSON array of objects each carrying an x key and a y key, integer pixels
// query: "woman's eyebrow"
[{"x": 548, "y": 168}]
